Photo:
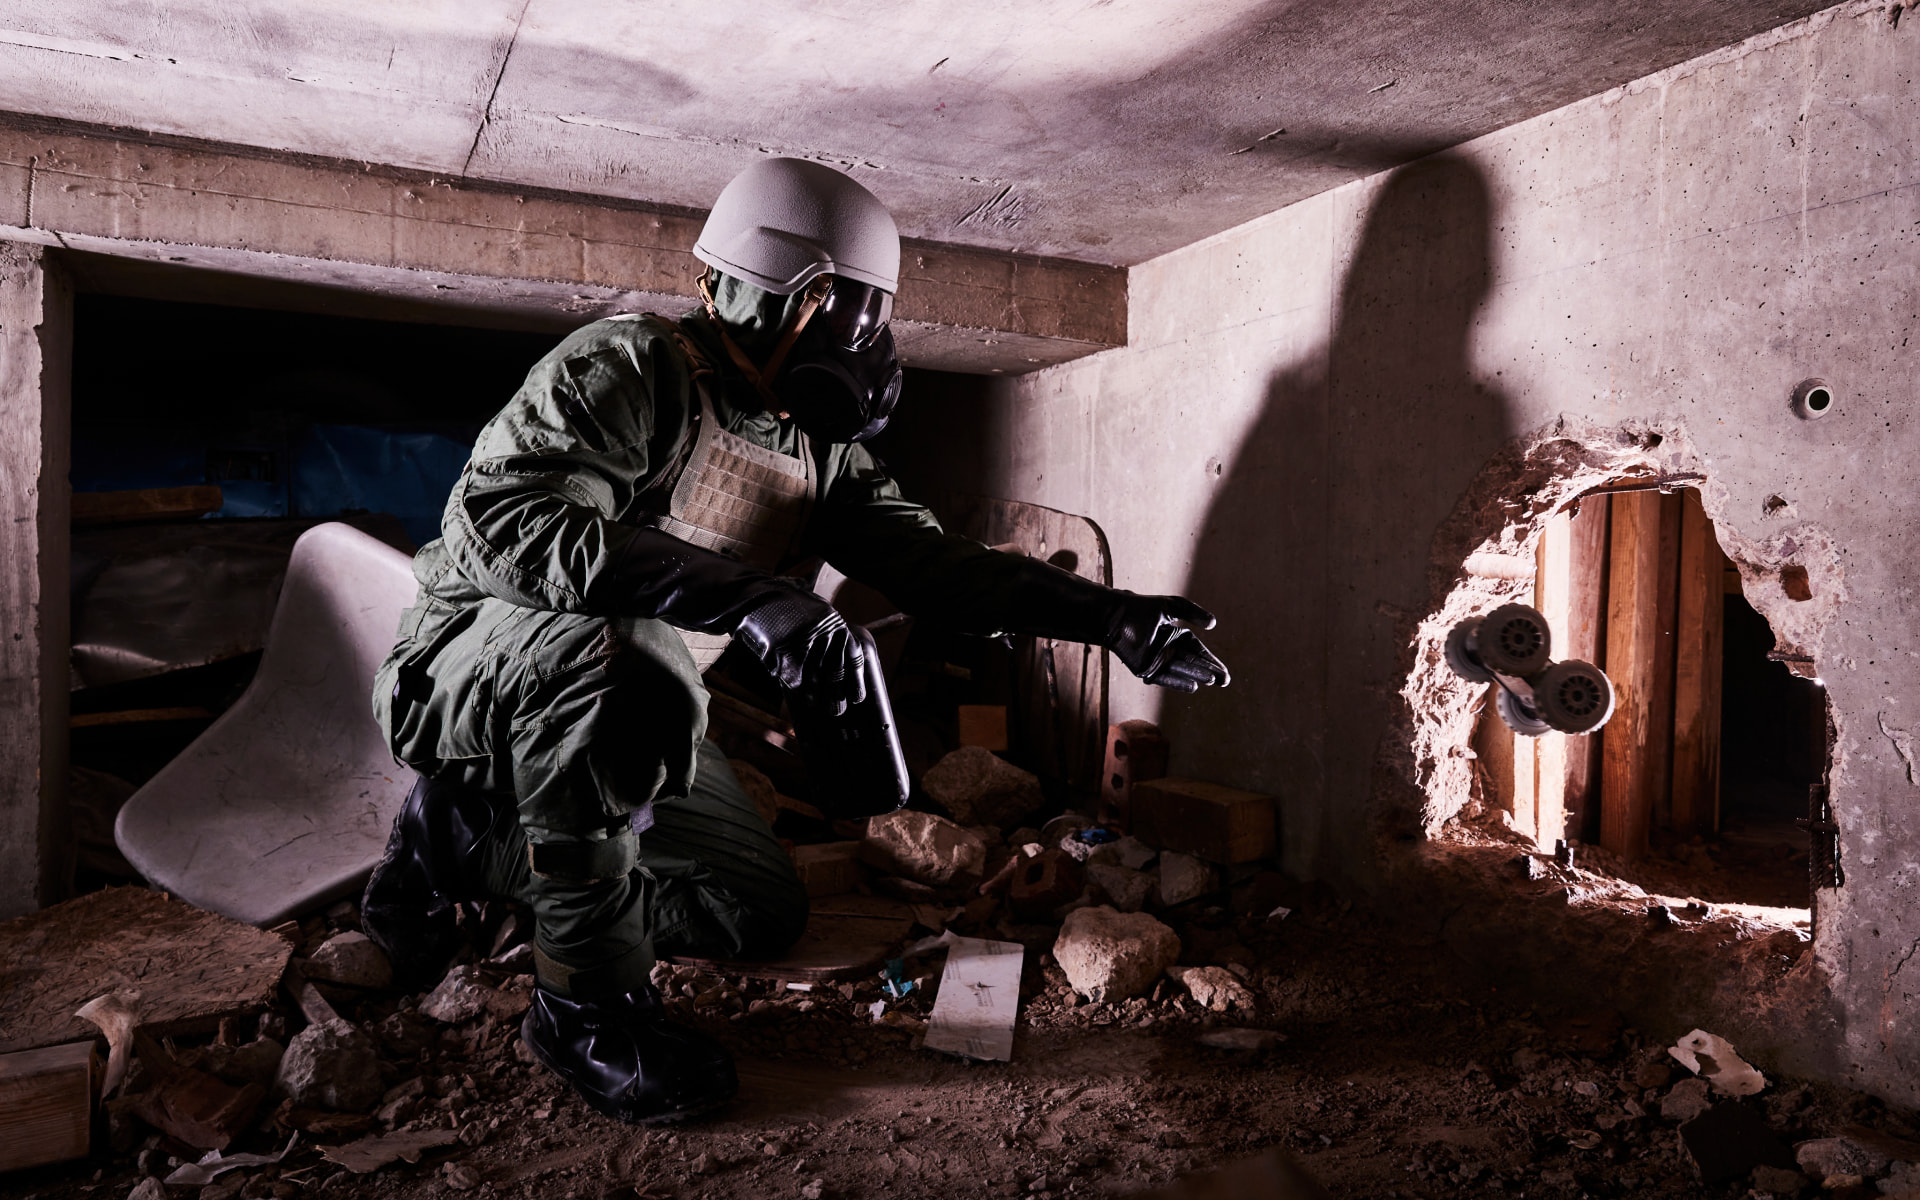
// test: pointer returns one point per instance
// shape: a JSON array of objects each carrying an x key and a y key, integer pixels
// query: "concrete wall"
[
  {"x": 1307, "y": 399},
  {"x": 36, "y": 350}
]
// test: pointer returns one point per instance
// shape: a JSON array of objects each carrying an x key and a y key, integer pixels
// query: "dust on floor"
[{"x": 1398, "y": 1077}]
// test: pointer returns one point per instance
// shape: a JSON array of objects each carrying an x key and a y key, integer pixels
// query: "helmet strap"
[{"x": 761, "y": 377}]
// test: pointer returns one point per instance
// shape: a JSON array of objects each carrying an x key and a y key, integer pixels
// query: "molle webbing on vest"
[{"x": 737, "y": 498}]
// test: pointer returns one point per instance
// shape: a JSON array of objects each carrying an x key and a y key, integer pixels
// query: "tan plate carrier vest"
[{"x": 733, "y": 496}]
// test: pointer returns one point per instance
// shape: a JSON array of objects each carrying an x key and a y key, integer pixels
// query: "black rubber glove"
[
  {"x": 1150, "y": 639},
  {"x": 800, "y": 638},
  {"x": 806, "y": 645},
  {"x": 1144, "y": 632}
]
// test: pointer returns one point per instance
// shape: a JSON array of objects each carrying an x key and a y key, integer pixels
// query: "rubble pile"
[{"x": 1175, "y": 1011}]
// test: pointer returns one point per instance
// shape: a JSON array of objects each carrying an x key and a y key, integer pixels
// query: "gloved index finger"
[{"x": 1182, "y": 609}]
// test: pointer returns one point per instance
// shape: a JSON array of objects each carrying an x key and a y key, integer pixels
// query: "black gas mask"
[{"x": 841, "y": 378}]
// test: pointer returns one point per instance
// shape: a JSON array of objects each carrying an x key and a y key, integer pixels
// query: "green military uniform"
[{"x": 518, "y": 672}]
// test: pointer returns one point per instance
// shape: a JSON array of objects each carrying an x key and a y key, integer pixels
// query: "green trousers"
[{"x": 633, "y": 834}]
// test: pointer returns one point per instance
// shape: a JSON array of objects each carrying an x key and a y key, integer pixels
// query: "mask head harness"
[{"x": 834, "y": 370}]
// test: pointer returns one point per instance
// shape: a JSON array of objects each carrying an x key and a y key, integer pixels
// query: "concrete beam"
[
  {"x": 546, "y": 260},
  {"x": 36, "y": 337}
]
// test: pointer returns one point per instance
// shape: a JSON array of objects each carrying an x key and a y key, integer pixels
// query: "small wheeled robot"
[{"x": 1510, "y": 648}]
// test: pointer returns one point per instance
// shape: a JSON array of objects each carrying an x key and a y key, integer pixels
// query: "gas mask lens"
[{"x": 856, "y": 312}]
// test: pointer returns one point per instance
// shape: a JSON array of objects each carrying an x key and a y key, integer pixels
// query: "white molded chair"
[{"x": 284, "y": 803}]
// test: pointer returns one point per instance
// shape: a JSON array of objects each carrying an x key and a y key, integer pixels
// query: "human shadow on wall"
[{"x": 1315, "y": 549}]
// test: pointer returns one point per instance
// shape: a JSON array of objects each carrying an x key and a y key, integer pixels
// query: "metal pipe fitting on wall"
[{"x": 1813, "y": 399}]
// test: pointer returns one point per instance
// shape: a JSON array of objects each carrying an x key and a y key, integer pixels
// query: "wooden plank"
[
  {"x": 1660, "y": 708},
  {"x": 46, "y": 1105},
  {"x": 556, "y": 258},
  {"x": 1493, "y": 750},
  {"x": 1700, "y": 638},
  {"x": 1553, "y": 596},
  {"x": 146, "y": 504},
  {"x": 829, "y": 869},
  {"x": 188, "y": 967},
  {"x": 1586, "y": 625},
  {"x": 36, "y": 353},
  {"x": 847, "y": 937},
  {"x": 1633, "y": 594},
  {"x": 1058, "y": 725},
  {"x": 1219, "y": 824}
]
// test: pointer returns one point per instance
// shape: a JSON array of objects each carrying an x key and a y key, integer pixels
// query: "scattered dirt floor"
[{"x": 1396, "y": 1078}]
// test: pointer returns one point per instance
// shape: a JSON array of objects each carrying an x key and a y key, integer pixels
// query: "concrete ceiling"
[{"x": 1102, "y": 130}]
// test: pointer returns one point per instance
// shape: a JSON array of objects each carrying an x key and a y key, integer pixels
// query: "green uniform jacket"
[{"x": 557, "y": 482}]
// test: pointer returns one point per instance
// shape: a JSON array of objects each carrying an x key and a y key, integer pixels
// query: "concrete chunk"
[
  {"x": 350, "y": 958},
  {"x": 1824, "y": 1158},
  {"x": 925, "y": 848},
  {"x": 1128, "y": 890},
  {"x": 980, "y": 788},
  {"x": 331, "y": 1065},
  {"x": 1215, "y": 988},
  {"x": 1184, "y": 877},
  {"x": 1110, "y": 955}
]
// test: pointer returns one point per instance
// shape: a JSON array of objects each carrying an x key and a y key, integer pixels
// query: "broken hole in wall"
[{"x": 1721, "y": 732}]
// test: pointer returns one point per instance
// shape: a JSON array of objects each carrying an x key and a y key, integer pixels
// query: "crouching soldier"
[{"x": 622, "y": 519}]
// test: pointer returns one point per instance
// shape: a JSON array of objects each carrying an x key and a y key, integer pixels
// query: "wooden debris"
[
  {"x": 370, "y": 1154},
  {"x": 185, "y": 968},
  {"x": 146, "y": 504},
  {"x": 847, "y": 937},
  {"x": 830, "y": 869},
  {"x": 1219, "y": 824},
  {"x": 117, "y": 1018},
  {"x": 204, "y": 1112},
  {"x": 46, "y": 1105}
]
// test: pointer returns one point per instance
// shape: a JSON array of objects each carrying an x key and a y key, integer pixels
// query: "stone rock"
[
  {"x": 1134, "y": 853},
  {"x": 1778, "y": 1181},
  {"x": 1127, "y": 889},
  {"x": 331, "y": 1065},
  {"x": 461, "y": 1177},
  {"x": 256, "y": 1062},
  {"x": 1902, "y": 1178},
  {"x": 1214, "y": 987},
  {"x": 149, "y": 1188},
  {"x": 1109, "y": 955},
  {"x": 1184, "y": 877},
  {"x": 1687, "y": 1100},
  {"x": 350, "y": 958},
  {"x": 461, "y": 996},
  {"x": 1824, "y": 1158},
  {"x": 980, "y": 788},
  {"x": 925, "y": 848}
]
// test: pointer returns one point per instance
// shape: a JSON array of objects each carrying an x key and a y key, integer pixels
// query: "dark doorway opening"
[{"x": 206, "y": 439}]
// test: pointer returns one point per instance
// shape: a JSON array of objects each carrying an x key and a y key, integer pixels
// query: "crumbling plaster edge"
[{"x": 1423, "y": 774}]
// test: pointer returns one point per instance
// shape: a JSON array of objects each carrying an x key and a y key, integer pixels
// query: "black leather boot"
[
  {"x": 408, "y": 909},
  {"x": 626, "y": 1059}
]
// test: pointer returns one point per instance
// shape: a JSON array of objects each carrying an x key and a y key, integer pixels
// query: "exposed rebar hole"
[{"x": 1794, "y": 582}]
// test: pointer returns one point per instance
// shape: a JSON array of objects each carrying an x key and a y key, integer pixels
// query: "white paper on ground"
[
  {"x": 979, "y": 999},
  {"x": 1712, "y": 1057}
]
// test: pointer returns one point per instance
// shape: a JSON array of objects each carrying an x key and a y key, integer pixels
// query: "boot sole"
[{"x": 607, "y": 1107}]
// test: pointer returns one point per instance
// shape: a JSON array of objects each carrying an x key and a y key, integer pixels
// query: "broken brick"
[
  {"x": 1220, "y": 824},
  {"x": 1043, "y": 883}
]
